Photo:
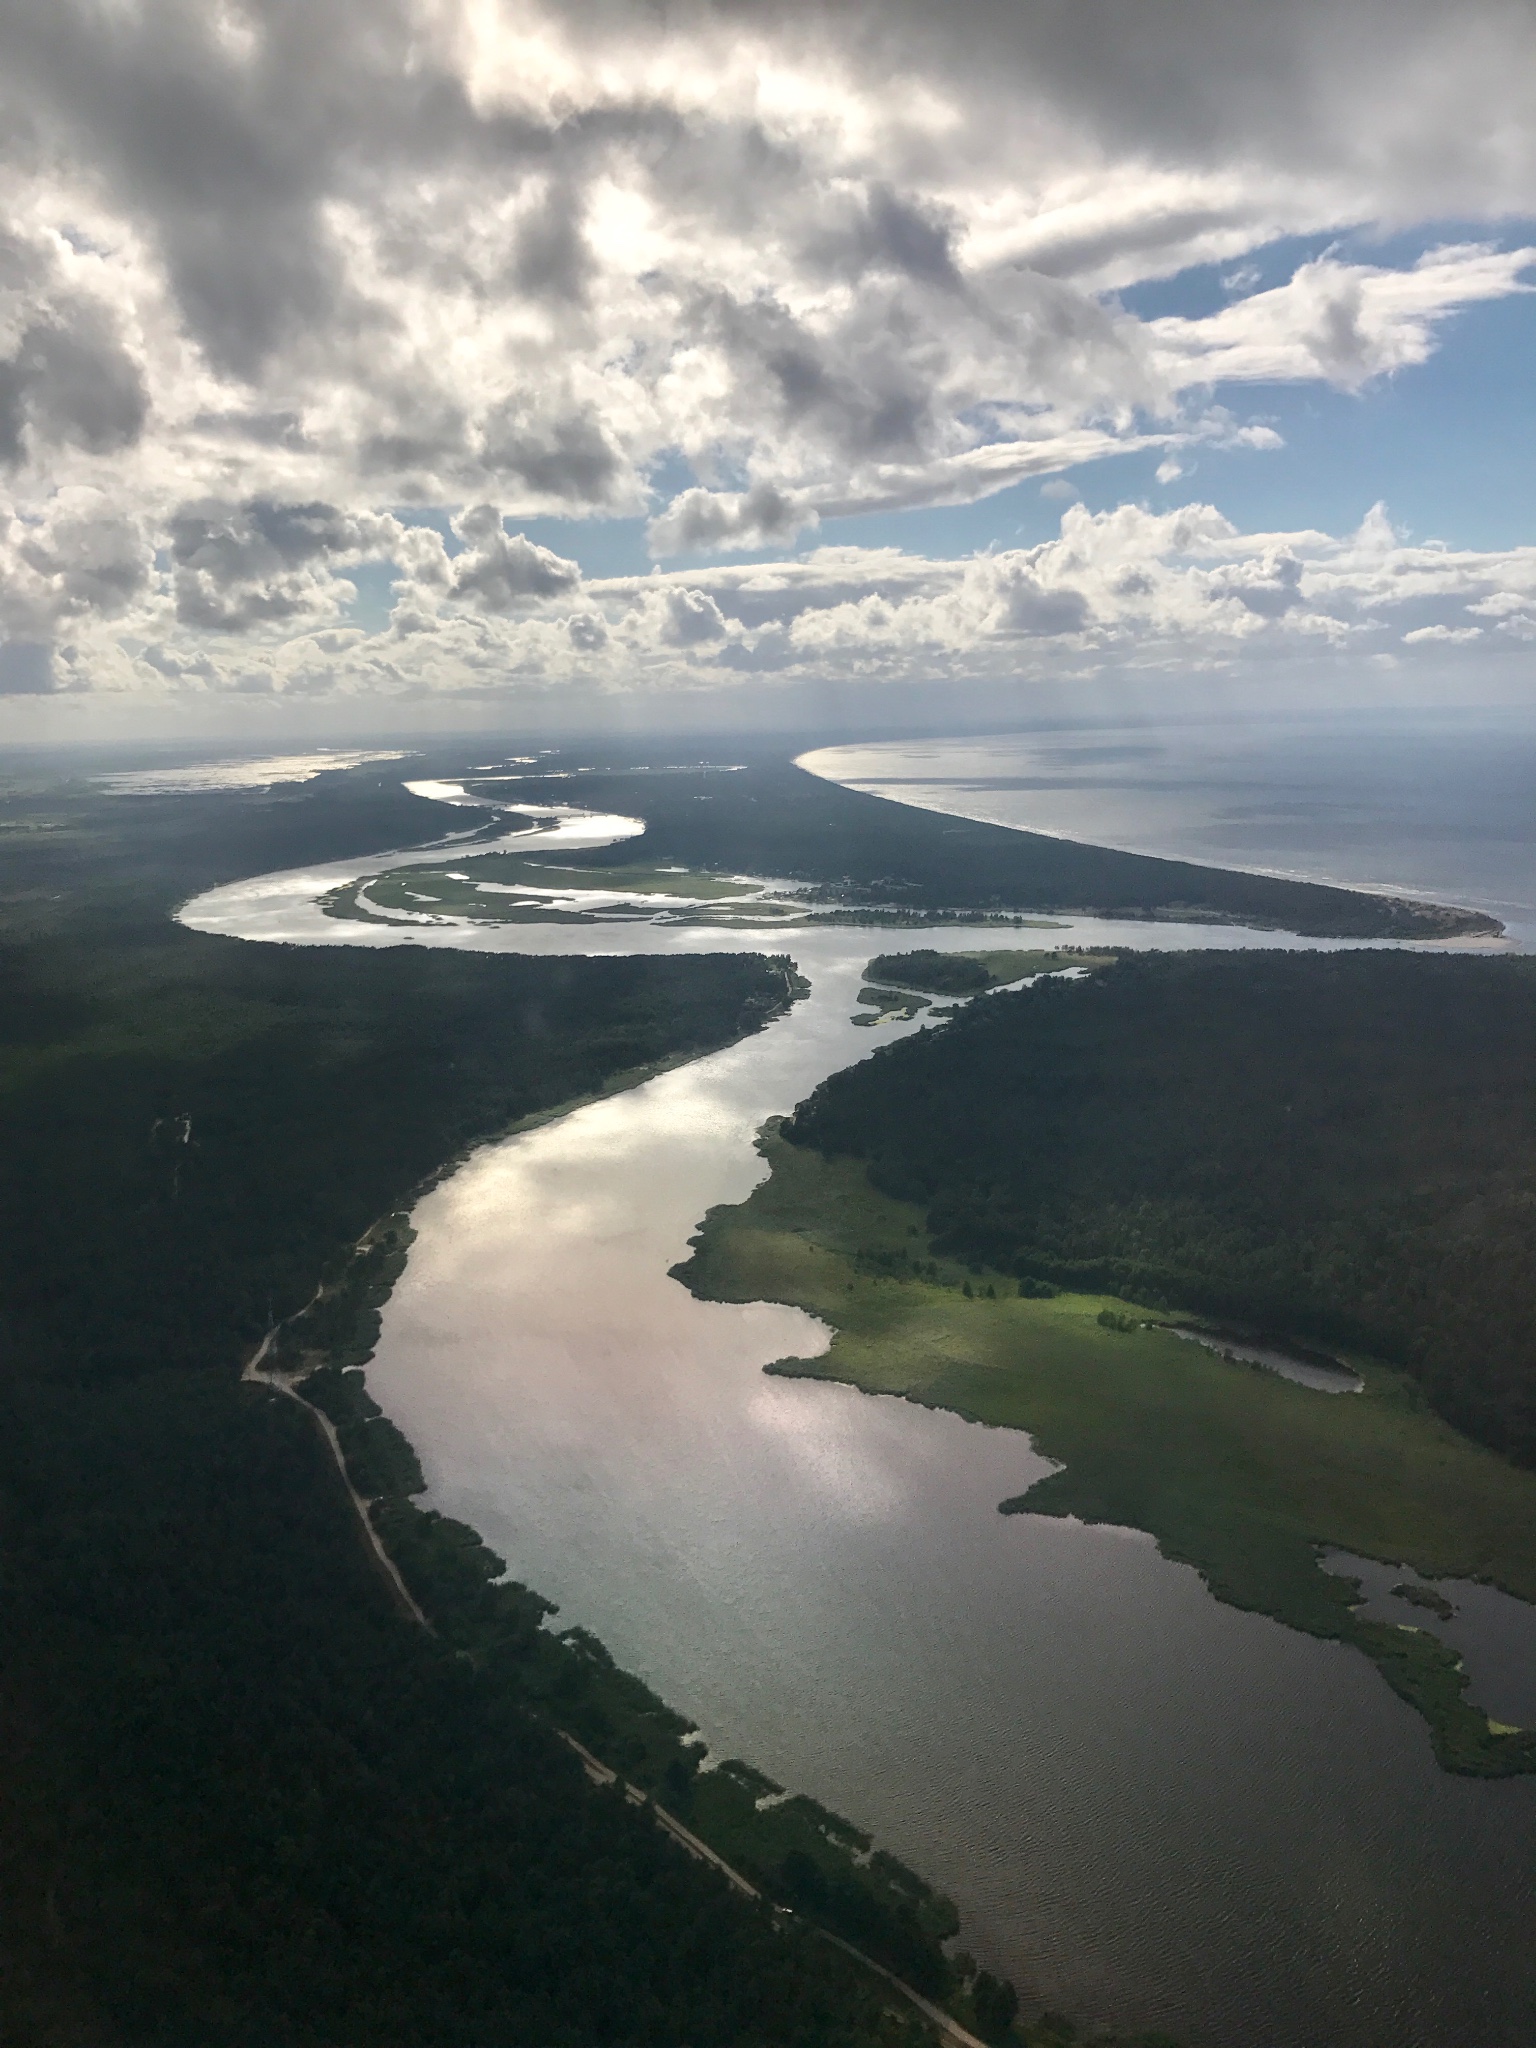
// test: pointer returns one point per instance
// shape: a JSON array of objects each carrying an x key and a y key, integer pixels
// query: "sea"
[{"x": 1439, "y": 806}]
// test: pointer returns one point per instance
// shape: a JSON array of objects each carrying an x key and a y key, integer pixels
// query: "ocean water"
[{"x": 1443, "y": 808}]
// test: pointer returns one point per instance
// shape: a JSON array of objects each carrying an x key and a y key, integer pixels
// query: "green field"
[{"x": 1232, "y": 1469}]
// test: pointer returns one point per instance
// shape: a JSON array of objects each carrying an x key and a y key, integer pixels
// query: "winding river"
[{"x": 1152, "y": 1810}]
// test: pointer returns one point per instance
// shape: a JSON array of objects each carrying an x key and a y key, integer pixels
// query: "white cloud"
[
  {"x": 273, "y": 274},
  {"x": 698, "y": 521},
  {"x": 1336, "y": 322},
  {"x": 501, "y": 572},
  {"x": 78, "y": 558},
  {"x": 1116, "y": 592}
]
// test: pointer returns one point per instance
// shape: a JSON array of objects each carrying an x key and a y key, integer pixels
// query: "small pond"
[{"x": 1316, "y": 1373}]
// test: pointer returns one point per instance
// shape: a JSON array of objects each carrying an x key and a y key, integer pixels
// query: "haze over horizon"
[{"x": 430, "y": 363}]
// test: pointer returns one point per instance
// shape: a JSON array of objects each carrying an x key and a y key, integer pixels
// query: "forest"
[
  {"x": 1333, "y": 1147},
  {"x": 242, "y": 1801}
]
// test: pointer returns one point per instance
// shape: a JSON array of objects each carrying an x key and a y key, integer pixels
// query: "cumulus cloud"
[
  {"x": 499, "y": 571},
  {"x": 698, "y": 520},
  {"x": 67, "y": 376},
  {"x": 1119, "y": 593},
  {"x": 81, "y": 558},
  {"x": 278, "y": 283},
  {"x": 565, "y": 456},
  {"x": 264, "y": 563},
  {"x": 1445, "y": 636},
  {"x": 508, "y": 250}
]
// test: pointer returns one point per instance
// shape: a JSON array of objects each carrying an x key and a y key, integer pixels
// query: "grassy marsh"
[{"x": 1232, "y": 1469}]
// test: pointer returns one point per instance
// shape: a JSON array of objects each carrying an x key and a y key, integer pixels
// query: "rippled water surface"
[{"x": 1151, "y": 1809}]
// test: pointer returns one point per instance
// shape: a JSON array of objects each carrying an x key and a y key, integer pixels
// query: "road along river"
[{"x": 1149, "y": 1808}]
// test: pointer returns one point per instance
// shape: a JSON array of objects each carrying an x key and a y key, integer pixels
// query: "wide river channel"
[{"x": 1151, "y": 1810}]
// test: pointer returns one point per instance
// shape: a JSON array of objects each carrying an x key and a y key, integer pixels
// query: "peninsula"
[{"x": 1012, "y": 1214}]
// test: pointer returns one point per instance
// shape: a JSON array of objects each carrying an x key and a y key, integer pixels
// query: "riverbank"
[
  {"x": 769, "y": 1843},
  {"x": 1233, "y": 1470},
  {"x": 243, "y": 1796}
]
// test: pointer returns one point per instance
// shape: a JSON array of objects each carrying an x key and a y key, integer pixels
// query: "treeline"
[
  {"x": 795, "y": 1851},
  {"x": 221, "y": 1111},
  {"x": 771, "y": 818},
  {"x": 1339, "y": 1147},
  {"x": 243, "y": 1804}
]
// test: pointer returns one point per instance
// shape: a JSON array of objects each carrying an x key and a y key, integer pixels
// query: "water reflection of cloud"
[{"x": 835, "y": 1458}]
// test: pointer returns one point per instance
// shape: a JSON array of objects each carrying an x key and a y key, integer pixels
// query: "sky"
[{"x": 394, "y": 363}]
